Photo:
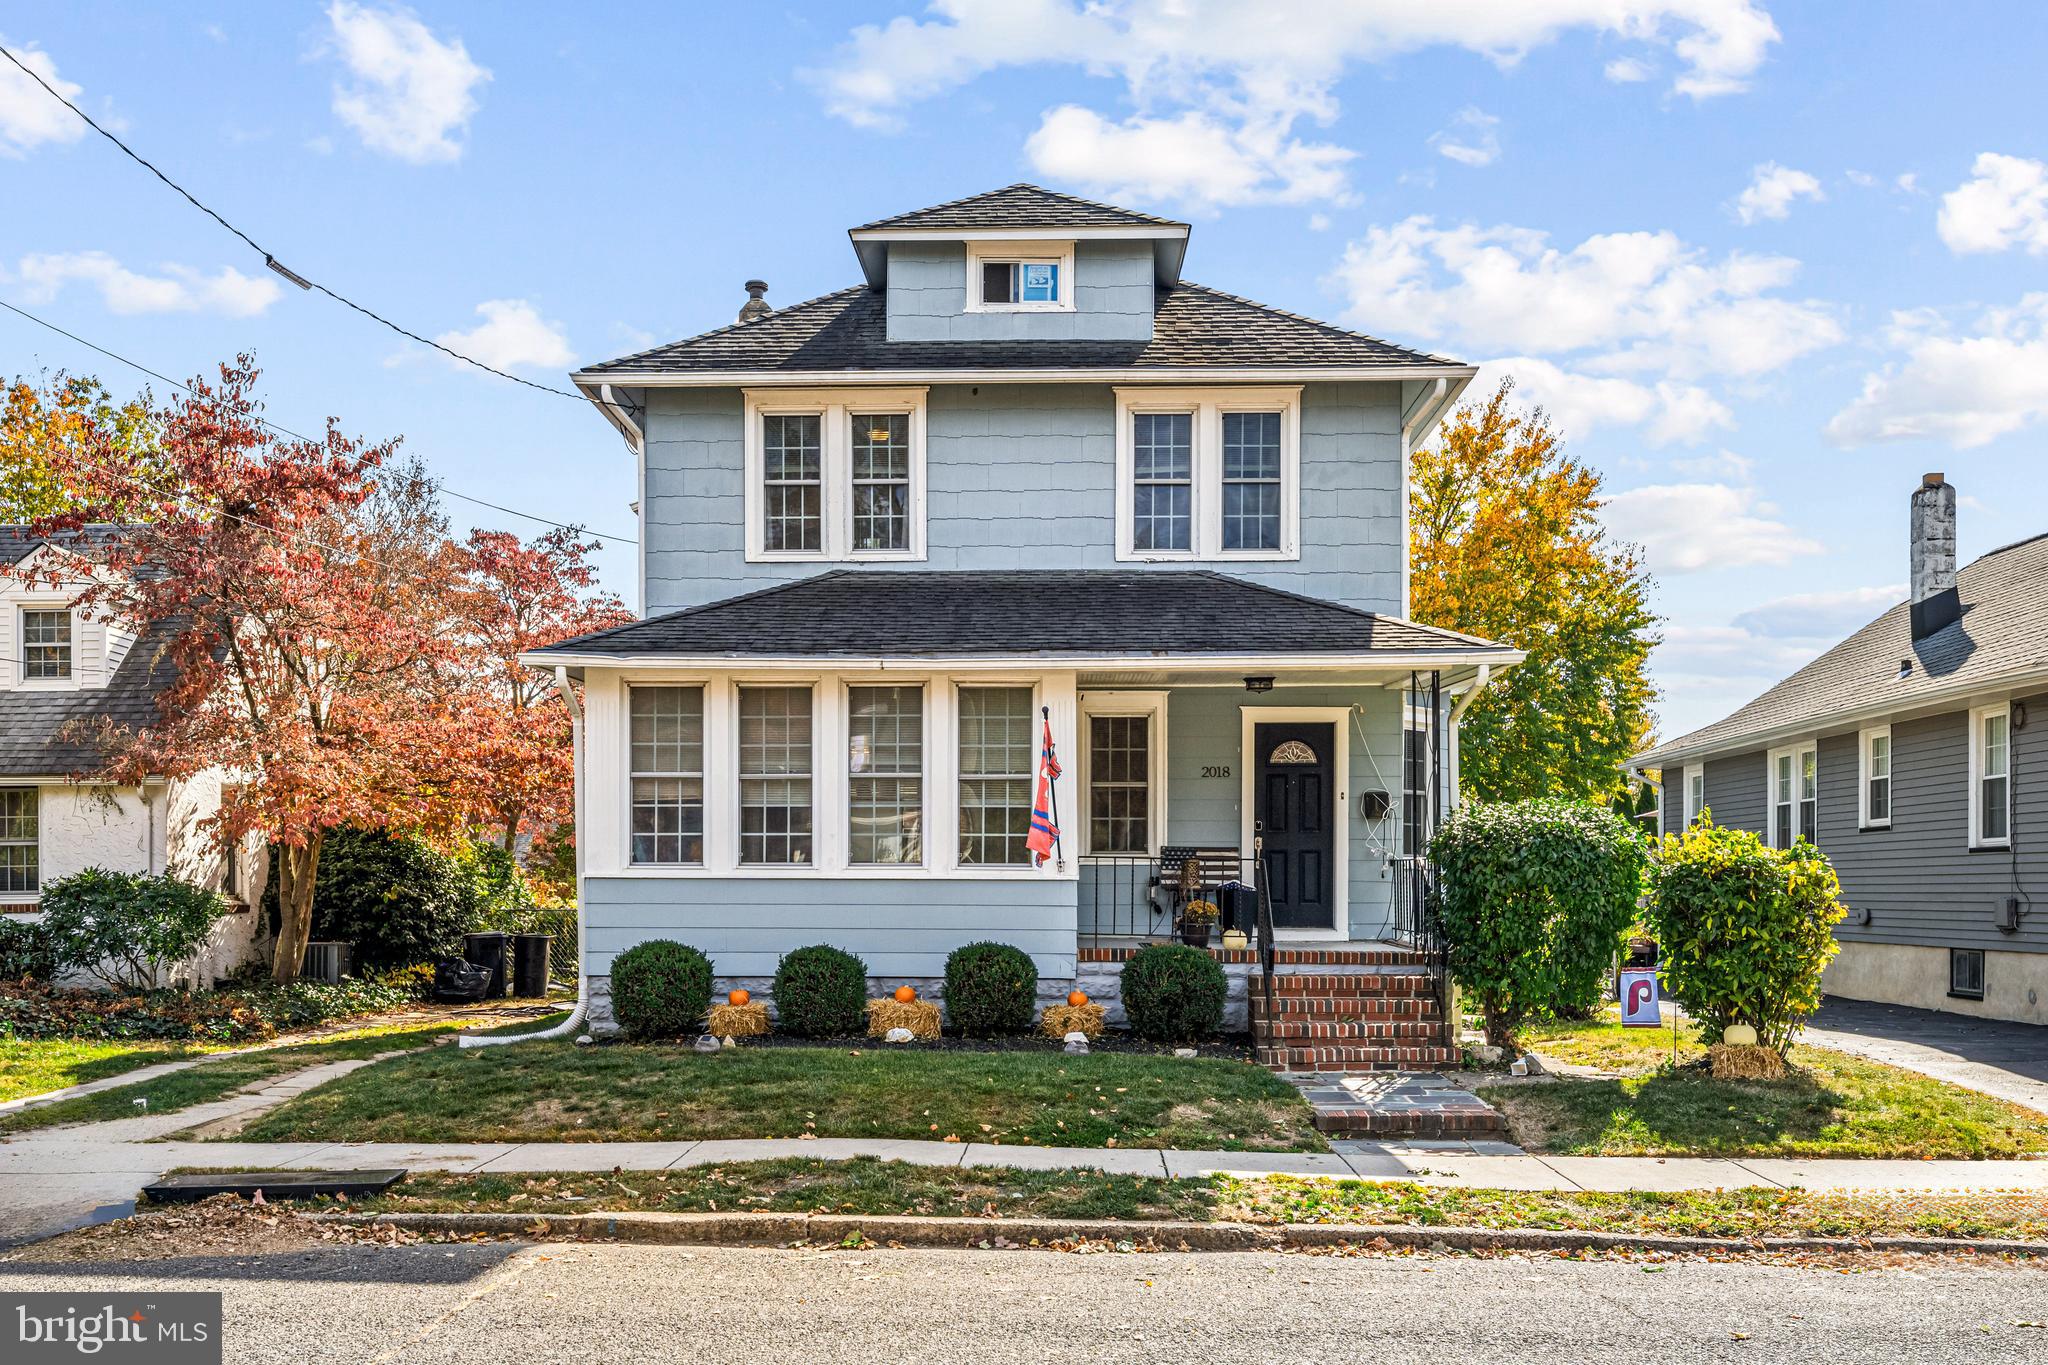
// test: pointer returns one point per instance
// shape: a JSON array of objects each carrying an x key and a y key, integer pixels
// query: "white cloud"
[
  {"x": 1579, "y": 404},
  {"x": 1711, "y": 669},
  {"x": 1319, "y": 222},
  {"x": 1643, "y": 300},
  {"x": 1192, "y": 158},
  {"x": 512, "y": 334},
  {"x": 2004, "y": 204},
  {"x": 1827, "y": 616},
  {"x": 1907, "y": 183},
  {"x": 1771, "y": 192},
  {"x": 1966, "y": 390},
  {"x": 179, "y": 289},
  {"x": 1192, "y": 66},
  {"x": 28, "y": 116},
  {"x": 1723, "y": 464},
  {"x": 1862, "y": 180},
  {"x": 413, "y": 93},
  {"x": 1687, "y": 527},
  {"x": 1628, "y": 70},
  {"x": 1473, "y": 139}
]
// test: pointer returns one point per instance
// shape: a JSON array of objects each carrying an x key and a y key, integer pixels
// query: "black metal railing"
[
  {"x": 1418, "y": 925},
  {"x": 1131, "y": 896},
  {"x": 1266, "y": 955}
]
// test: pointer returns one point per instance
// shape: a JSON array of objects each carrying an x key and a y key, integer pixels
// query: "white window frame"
[
  {"x": 1690, "y": 802},
  {"x": 842, "y": 706},
  {"x": 1978, "y": 715},
  {"x": 1771, "y": 793},
  {"x": 1206, "y": 496},
  {"x": 1152, "y": 707},
  {"x": 835, "y": 409},
  {"x": 960, "y": 866},
  {"x": 703, "y": 763},
  {"x": 1059, "y": 254},
  {"x": 29, "y": 897},
  {"x": 1864, "y": 777}
]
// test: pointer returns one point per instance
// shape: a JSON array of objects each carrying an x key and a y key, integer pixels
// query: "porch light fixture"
[{"x": 1264, "y": 684}]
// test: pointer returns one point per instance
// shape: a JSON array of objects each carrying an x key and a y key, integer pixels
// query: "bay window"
[
  {"x": 885, "y": 775},
  {"x": 835, "y": 474},
  {"x": 1208, "y": 474},
  {"x": 775, "y": 775},
  {"x": 996, "y": 755}
]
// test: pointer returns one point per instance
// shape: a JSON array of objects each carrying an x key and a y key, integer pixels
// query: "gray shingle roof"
[
  {"x": 881, "y": 613},
  {"x": 2002, "y": 635},
  {"x": 33, "y": 724},
  {"x": 1020, "y": 206},
  {"x": 1192, "y": 327}
]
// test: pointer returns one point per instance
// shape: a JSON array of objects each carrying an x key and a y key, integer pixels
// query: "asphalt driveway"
[{"x": 1991, "y": 1056}]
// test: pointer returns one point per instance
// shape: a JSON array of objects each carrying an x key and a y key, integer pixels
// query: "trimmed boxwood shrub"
[
  {"x": 991, "y": 989},
  {"x": 128, "y": 929},
  {"x": 1536, "y": 897},
  {"x": 1745, "y": 929},
  {"x": 1173, "y": 993},
  {"x": 821, "y": 992},
  {"x": 661, "y": 989}
]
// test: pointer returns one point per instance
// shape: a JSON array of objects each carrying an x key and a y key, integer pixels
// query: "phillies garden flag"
[{"x": 1045, "y": 829}]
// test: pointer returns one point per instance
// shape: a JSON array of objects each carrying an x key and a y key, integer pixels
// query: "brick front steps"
[
  {"x": 1393, "y": 1107},
  {"x": 1362, "y": 1020}
]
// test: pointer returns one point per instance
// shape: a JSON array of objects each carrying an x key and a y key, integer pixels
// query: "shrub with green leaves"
[
  {"x": 1173, "y": 993},
  {"x": 1535, "y": 898},
  {"x": 991, "y": 989},
  {"x": 821, "y": 992},
  {"x": 27, "y": 952},
  {"x": 127, "y": 929},
  {"x": 1745, "y": 930},
  {"x": 661, "y": 989},
  {"x": 396, "y": 899}
]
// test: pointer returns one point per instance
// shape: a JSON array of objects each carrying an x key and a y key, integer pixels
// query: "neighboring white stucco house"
[{"x": 61, "y": 669}]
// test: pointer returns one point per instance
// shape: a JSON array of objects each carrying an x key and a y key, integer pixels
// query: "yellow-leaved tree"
[
  {"x": 66, "y": 419},
  {"x": 1506, "y": 545}
]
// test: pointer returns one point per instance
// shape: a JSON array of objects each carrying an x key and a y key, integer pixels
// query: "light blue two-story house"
[{"x": 1022, "y": 468}]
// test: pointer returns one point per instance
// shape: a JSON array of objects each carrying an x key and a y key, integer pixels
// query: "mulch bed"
[{"x": 1235, "y": 1047}]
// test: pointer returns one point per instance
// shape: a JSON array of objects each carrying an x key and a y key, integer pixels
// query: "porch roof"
[{"x": 1071, "y": 615}]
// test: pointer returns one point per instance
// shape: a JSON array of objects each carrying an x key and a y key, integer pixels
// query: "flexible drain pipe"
[{"x": 575, "y": 1019}]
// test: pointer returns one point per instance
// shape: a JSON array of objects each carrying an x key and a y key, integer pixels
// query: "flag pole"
[{"x": 1052, "y": 797}]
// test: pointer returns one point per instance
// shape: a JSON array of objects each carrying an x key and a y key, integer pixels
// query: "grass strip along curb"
[{"x": 852, "y": 1230}]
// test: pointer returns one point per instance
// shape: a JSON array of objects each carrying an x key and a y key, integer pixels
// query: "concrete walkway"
[{"x": 1992, "y": 1056}]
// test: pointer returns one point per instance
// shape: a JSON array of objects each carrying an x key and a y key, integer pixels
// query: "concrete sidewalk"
[{"x": 55, "y": 1181}]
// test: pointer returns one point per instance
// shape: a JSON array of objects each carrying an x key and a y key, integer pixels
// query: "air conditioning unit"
[
  {"x": 325, "y": 961},
  {"x": 2009, "y": 915}
]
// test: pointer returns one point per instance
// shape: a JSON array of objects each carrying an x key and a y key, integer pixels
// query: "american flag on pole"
[{"x": 1045, "y": 829}]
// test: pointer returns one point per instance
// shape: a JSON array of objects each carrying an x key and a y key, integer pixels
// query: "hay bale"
[
  {"x": 919, "y": 1016},
  {"x": 738, "y": 1021},
  {"x": 1735, "y": 1062},
  {"x": 1060, "y": 1020}
]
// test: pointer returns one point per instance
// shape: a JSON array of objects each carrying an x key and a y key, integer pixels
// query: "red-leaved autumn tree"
[
  {"x": 517, "y": 771},
  {"x": 296, "y": 590}
]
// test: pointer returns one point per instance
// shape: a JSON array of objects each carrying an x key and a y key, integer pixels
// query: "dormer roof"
[{"x": 1021, "y": 212}]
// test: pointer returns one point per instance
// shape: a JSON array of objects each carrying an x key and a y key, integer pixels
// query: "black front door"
[{"x": 1294, "y": 806}]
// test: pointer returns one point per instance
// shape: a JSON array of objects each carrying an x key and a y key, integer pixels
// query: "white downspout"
[
  {"x": 1479, "y": 682},
  {"x": 575, "y": 1019}
]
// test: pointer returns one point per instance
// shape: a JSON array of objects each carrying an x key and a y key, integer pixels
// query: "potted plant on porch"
[{"x": 1197, "y": 918}]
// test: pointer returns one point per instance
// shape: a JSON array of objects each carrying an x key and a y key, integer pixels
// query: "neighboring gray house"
[
  {"x": 1906, "y": 754},
  {"x": 62, "y": 670},
  {"x": 1024, "y": 468}
]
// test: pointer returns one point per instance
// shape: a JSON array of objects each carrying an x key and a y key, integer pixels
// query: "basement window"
[{"x": 1966, "y": 973}]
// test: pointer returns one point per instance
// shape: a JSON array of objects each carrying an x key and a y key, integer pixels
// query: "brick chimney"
[
  {"x": 757, "y": 307},
  {"x": 1933, "y": 554}
]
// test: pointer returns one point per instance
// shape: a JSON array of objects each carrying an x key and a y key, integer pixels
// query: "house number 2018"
[{"x": 1216, "y": 770}]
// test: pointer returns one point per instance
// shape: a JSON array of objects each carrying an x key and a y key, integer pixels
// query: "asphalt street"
[{"x": 605, "y": 1303}]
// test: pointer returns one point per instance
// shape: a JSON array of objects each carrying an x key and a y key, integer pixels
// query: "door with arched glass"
[{"x": 1294, "y": 811}]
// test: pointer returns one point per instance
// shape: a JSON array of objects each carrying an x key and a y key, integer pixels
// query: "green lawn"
[
  {"x": 35, "y": 1067},
  {"x": 870, "y": 1187},
  {"x": 556, "y": 1091},
  {"x": 1831, "y": 1105}
]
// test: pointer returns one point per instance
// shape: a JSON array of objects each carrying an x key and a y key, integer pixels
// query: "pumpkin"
[
  {"x": 737, "y": 997},
  {"x": 1077, "y": 998},
  {"x": 905, "y": 994}
]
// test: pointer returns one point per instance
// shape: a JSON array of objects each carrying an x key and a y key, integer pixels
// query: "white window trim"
[
  {"x": 834, "y": 408},
  {"x": 1805, "y": 746},
  {"x": 1206, "y": 495},
  {"x": 28, "y": 898},
  {"x": 17, "y": 642},
  {"x": 703, "y": 772},
  {"x": 1864, "y": 776},
  {"x": 1688, "y": 808},
  {"x": 1059, "y": 253},
  {"x": 1976, "y": 742},
  {"x": 1152, "y": 706},
  {"x": 843, "y": 798}
]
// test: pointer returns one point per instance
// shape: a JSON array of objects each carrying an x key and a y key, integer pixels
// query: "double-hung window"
[
  {"x": 995, "y": 755},
  {"x": 885, "y": 775},
  {"x": 1794, "y": 811},
  {"x": 20, "y": 849},
  {"x": 835, "y": 474},
  {"x": 1874, "y": 778},
  {"x": 1991, "y": 777},
  {"x": 1123, "y": 772},
  {"x": 775, "y": 775},
  {"x": 1695, "y": 792},
  {"x": 667, "y": 740},
  {"x": 46, "y": 643},
  {"x": 1208, "y": 474}
]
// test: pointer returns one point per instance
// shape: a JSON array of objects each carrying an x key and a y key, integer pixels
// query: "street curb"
[{"x": 780, "y": 1229}]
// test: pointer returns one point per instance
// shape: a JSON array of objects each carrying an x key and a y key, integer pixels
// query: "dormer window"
[
  {"x": 46, "y": 644},
  {"x": 1027, "y": 277}
]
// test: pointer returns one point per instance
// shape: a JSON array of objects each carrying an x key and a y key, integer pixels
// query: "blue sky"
[{"x": 1763, "y": 268}]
